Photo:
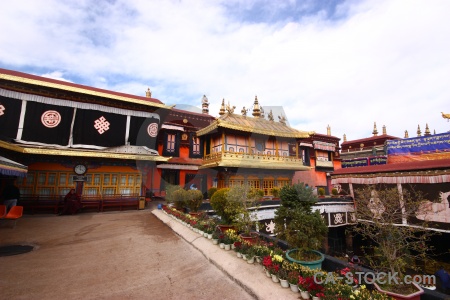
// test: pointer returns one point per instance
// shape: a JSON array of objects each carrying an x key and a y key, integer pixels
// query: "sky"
[{"x": 343, "y": 63}]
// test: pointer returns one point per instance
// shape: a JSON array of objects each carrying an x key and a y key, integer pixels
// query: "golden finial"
[
  {"x": 419, "y": 133},
  {"x": 434, "y": 131},
  {"x": 375, "y": 131},
  {"x": 328, "y": 130},
  {"x": 256, "y": 110},
  {"x": 205, "y": 105},
  {"x": 148, "y": 93},
  {"x": 406, "y": 134},
  {"x": 427, "y": 130},
  {"x": 244, "y": 111},
  {"x": 222, "y": 108},
  {"x": 446, "y": 116},
  {"x": 270, "y": 116},
  {"x": 384, "y": 130},
  {"x": 345, "y": 137}
]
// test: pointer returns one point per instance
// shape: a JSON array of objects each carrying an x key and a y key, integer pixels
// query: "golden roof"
[{"x": 254, "y": 125}]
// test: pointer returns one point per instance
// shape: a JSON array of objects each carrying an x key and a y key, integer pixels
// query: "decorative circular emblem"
[
  {"x": 185, "y": 121},
  {"x": 152, "y": 129},
  {"x": 51, "y": 118}
]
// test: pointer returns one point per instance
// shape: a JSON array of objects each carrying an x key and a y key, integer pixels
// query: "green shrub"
[
  {"x": 276, "y": 192},
  {"x": 211, "y": 192},
  {"x": 179, "y": 198},
  {"x": 219, "y": 204},
  {"x": 170, "y": 189},
  {"x": 321, "y": 191},
  {"x": 334, "y": 192},
  {"x": 194, "y": 200}
]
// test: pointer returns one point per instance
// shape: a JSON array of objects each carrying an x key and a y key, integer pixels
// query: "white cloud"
[{"x": 386, "y": 61}]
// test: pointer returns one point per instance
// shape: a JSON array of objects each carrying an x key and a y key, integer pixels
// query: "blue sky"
[{"x": 342, "y": 63}]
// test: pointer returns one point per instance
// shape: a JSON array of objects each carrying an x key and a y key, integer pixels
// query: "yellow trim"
[
  {"x": 82, "y": 91},
  {"x": 80, "y": 153}
]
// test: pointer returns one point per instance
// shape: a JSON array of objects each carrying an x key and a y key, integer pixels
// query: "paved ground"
[{"x": 124, "y": 255}]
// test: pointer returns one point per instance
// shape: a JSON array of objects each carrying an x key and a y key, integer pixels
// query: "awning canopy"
[{"x": 12, "y": 168}]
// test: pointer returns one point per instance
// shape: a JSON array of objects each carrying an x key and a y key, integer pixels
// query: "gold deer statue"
[{"x": 446, "y": 116}]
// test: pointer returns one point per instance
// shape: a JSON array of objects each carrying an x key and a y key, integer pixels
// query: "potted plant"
[
  {"x": 334, "y": 192},
  {"x": 303, "y": 229},
  {"x": 393, "y": 248},
  {"x": 194, "y": 199},
  {"x": 282, "y": 276},
  {"x": 292, "y": 279},
  {"x": 240, "y": 199},
  {"x": 211, "y": 192},
  {"x": 321, "y": 192},
  {"x": 220, "y": 203},
  {"x": 179, "y": 197}
]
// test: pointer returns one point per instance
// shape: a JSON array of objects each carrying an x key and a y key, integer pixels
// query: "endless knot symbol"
[
  {"x": 50, "y": 118},
  {"x": 338, "y": 218},
  {"x": 152, "y": 129},
  {"x": 2, "y": 109},
  {"x": 101, "y": 125}
]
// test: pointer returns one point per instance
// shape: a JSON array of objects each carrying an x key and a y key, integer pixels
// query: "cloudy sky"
[{"x": 341, "y": 63}]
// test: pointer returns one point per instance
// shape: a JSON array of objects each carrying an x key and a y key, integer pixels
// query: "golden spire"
[
  {"x": 419, "y": 133},
  {"x": 427, "y": 130},
  {"x": 328, "y": 130},
  {"x": 384, "y": 130},
  {"x": 256, "y": 110},
  {"x": 375, "y": 131},
  {"x": 406, "y": 134},
  {"x": 148, "y": 93},
  {"x": 222, "y": 108},
  {"x": 345, "y": 137}
]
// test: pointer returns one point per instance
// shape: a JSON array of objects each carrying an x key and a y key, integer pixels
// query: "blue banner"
[
  {"x": 377, "y": 160},
  {"x": 424, "y": 144},
  {"x": 356, "y": 162}
]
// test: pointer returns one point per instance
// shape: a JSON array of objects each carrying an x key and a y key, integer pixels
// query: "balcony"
[{"x": 255, "y": 161}]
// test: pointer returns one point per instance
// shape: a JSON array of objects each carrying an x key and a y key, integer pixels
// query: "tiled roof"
[
  {"x": 254, "y": 125},
  {"x": 406, "y": 166},
  {"x": 78, "y": 88}
]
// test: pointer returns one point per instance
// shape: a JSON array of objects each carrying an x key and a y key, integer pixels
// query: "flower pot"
[
  {"x": 413, "y": 296},
  {"x": 224, "y": 228},
  {"x": 316, "y": 264},
  {"x": 304, "y": 294},
  {"x": 251, "y": 260},
  {"x": 251, "y": 238},
  {"x": 284, "y": 283},
  {"x": 258, "y": 259},
  {"x": 215, "y": 241},
  {"x": 222, "y": 245},
  {"x": 205, "y": 234},
  {"x": 274, "y": 278},
  {"x": 244, "y": 257},
  {"x": 293, "y": 287},
  {"x": 227, "y": 247},
  {"x": 268, "y": 274},
  {"x": 209, "y": 236},
  {"x": 315, "y": 298}
]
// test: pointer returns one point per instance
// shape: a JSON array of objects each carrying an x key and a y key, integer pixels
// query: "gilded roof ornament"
[
  {"x": 244, "y": 111},
  {"x": 375, "y": 131},
  {"x": 282, "y": 120},
  {"x": 270, "y": 116},
  {"x": 446, "y": 116},
  {"x": 256, "y": 109},
  {"x": 384, "y": 130},
  {"x": 205, "y": 105},
  {"x": 229, "y": 108},
  {"x": 328, "y": 130},
  {"x": 222, "y": 108},
  {"x": 427, "y": 130},
  {"x": 345, "y": 137},
  {"x": 406, "y": 134},
  {"x": 148, "y": 93},
  {"x": 419, "y": 133}
]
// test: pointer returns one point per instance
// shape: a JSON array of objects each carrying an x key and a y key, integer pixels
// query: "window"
[
  {"x": 305, "y": 156},
  {"x": 196, "y": 147},
  {"x": 171, "y": 144}
]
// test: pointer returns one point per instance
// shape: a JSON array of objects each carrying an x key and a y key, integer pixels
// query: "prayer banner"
[
  {"x": 47, "y": 123},
  {"x": 9, "y": 117}
]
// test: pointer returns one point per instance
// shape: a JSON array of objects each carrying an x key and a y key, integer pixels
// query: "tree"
[
  {"x": 240, "y": 199},
  {"x": 296, "y": 223},
  {"x": 382, "y": 213}
]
